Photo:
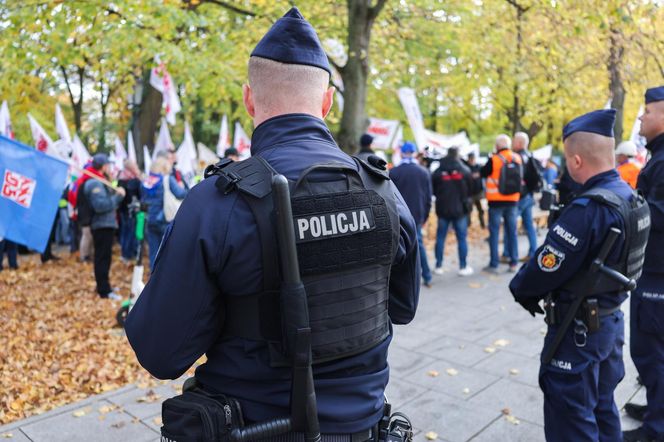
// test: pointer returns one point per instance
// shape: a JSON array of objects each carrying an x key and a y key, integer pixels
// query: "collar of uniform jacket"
[
  {"x": 656, "y": 143},
  {"x": 285, "y": 128},
  {"x": 609, "y": 175}
]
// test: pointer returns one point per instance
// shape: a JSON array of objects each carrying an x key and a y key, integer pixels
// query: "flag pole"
[{"x": 104, "y": 181}]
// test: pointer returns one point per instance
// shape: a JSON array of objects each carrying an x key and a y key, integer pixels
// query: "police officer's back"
[
  {"x": 578, "y": 382},
  {"x": 213, "y": 259}
]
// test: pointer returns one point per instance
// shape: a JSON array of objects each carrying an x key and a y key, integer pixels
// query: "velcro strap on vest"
[{"x": 255, "y": 317}]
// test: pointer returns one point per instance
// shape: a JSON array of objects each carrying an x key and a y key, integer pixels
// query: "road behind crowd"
[{"x": 464, "y": 370}]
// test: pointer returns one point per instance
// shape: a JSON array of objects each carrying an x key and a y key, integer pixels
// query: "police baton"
[
  {"x": 295, "y": 317},
  {"x": 596, "y": 266},
  {"x": 296, "y": 334}
]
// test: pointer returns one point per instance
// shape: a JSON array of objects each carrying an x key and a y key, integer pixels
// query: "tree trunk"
[
  {"x": 354, "y": 121},
  {"x": 616, "y": 87},
  {"x": 146, "y": 118}
]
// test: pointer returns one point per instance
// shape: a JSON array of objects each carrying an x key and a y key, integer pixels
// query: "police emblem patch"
[{"x": 550, "y": 259}]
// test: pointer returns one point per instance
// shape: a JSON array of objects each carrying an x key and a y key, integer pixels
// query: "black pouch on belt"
[{"x": 199, "y": 416}]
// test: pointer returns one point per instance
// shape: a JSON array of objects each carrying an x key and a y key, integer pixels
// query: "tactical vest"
[
  {"x": 636, "y": 219},
  {"x": 347, "y": 234}
]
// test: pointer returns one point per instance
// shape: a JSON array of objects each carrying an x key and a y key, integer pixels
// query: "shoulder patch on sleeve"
[{"x": 550, "y": 259}]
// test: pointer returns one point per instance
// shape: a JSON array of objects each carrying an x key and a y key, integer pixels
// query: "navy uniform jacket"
[
  {"x": 212, "y": 250},
  {"x": 572, "y": 243},
  {"x": 651, "y": 184},
  {"x": 414, "y": 183}
]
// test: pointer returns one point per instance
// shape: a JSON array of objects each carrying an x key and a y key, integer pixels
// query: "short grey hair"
[
  {"x": 502, "y": 141},
  {"x": 523, "y": 137}
]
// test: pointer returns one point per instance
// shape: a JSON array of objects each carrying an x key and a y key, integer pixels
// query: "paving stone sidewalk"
[{"x": 470, "y": 356}]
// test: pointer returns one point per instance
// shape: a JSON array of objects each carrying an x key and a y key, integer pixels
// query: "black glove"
[{"x": 532, "y": 305}]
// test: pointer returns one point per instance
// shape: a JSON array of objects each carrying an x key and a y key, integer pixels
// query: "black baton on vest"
[
  {"x": 596, "y": 266},
  {"x": 295, "y": 318}
]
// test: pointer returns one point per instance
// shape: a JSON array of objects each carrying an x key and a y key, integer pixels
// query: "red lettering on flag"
[{"x": 18, "y": 188}]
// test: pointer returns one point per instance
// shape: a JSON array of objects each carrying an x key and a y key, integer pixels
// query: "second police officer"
[
  {"x": 210, "y": 292},
  {"x": 578, "y": 382},
  {"x": 647, "y": 302}
]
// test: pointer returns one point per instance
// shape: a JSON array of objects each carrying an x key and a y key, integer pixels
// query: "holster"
[{"x": 589, "y": 312}]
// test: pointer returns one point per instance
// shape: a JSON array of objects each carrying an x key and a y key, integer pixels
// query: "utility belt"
[
  {"x": 586, "y": 320},
  {"x": 200, "y": 416}
]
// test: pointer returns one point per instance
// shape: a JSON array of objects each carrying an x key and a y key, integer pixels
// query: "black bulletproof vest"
[
  {"x": 636, "y": 218},
  {"x": 347, "y": 233}
]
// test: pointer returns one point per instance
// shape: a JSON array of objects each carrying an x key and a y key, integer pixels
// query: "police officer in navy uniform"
[
  {"x": 212, "y": 259},
  {"x": 647, "y": 302},
  {"x": 579, "y": 381}
]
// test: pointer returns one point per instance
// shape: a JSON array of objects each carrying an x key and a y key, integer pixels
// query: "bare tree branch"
[
  {"x": 228, "y": 6},
  {"x": 375, "y": 10}
]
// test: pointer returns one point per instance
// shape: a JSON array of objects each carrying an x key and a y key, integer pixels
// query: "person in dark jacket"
[
  {"x": 104, "y": 203},
  {"x": 365, "y": 146},
  {"x": 646, "y": 342},
  {"x": 476, "y": 190},
  {"x": 130, "y": 181},
  {"x": 579, "y": 380},
  {"x": 212, "y": 257},
  {"x": 414, "y": 183},
  {"x": 452, "y": 182}
]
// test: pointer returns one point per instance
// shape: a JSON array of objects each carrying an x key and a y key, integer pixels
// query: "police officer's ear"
[
  {"x": 328, "y": 100},
  {"x": 248, "y": 98}
]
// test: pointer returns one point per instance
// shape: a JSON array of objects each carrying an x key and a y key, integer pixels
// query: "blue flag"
[{"x": 31, "y": 184}]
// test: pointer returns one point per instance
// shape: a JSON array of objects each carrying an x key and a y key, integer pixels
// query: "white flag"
[
  {"x": 161, "y": 80},
  {"x": 206, "y": 156},
  {"x": 412, "y": 109},
  {"x": 120, "y": 154},
  {"x": 224, "y": 137},
  {"x": 80, "y": 155},
  {"x": 641, "y": 152},
  {"x": 147, "y": 161},
  {"x": 61, "y": 125},
  {"x": 5, "y": 122},
  {"x": 64, "y": 144},
  {"x": 164, "y": 142},
  {"x": 186, "y": 155},
  {"x": 383, "y": 132},
  {"x": 43, "y": 142},
  {"x": 543, "y": 154},
  {"x": 241, "y": 141},
  {"x": 131, "y": 149}
]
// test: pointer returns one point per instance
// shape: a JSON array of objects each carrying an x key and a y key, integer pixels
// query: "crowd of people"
[{"x": 99, "y": 208}]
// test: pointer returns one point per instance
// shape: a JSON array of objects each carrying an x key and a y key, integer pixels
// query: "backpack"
[
  {"x": 533, "y": 174},
  {"x": 511, "y": 175},
  {"x": 83, "y": 207}
]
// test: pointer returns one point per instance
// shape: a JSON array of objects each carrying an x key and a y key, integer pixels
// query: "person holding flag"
[{"x": 104, "y": 201}]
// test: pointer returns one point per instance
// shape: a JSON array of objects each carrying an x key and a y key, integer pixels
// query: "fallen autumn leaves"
[{"x": 59, "y": 341}]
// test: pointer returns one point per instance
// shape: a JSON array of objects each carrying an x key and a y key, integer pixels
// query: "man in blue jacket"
[
  {"x": 578, "y": 382},
  {"x": 647, "y": 302},
  {"x": 212, "y": 258},
  {"x": 414, "y": 183}
]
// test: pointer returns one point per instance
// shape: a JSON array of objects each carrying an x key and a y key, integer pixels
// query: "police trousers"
[
  {"x": 647, "y": 347},
  {"x": 579, "y": 381}
]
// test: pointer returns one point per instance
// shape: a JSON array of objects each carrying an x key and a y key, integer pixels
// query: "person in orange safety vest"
[{"x": 625, "y": 164}]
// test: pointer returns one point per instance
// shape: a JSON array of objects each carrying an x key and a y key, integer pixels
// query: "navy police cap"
[
  {"x": 292, "y": 40},
  {"x": 655, "y": 94},
  {"x": 598, "y": 122}
]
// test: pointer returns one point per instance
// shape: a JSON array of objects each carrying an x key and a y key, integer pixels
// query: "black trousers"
[
  {"x": 477, "y": 202},
  {"x": 103, "y": 242}
]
